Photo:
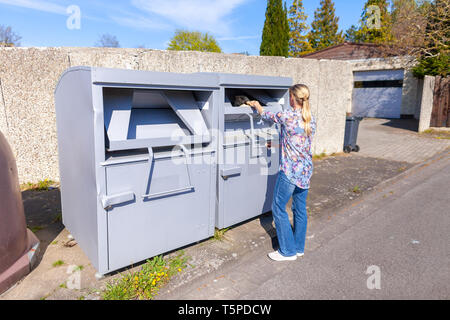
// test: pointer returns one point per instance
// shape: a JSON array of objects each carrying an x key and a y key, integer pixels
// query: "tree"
[
  {"x": 433, "y": 66},
  {"x": 350, "y": 34},
  {"x": 108, "y": 41},
  {"x": 408, "y": 26},
  {"x": 325, "y": 27},
  {"x": 434, "y": 52},
  {"x": 193, "y": 41},
  {"x": 298, "y": 39},
  {"x": 375, "y": 23},
  {"x": 275, "y": 37},
  {"x": 8, "y": 38}
]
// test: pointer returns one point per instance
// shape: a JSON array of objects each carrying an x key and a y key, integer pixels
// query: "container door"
[
  {"x": 158, "y": 173},
  {"x": 168, "y": 207},
  {"x": 248, "y": 175}
]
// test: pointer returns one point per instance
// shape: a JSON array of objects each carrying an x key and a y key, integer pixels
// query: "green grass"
[
  {"x": 58, "y": 263},
  {"x": 356, "y": 189},
  {"x": 78, "y": 268},
  {"x": 324, "y": 155},
  {"x": 42, "y": 185},
  {"x": 35, "y": 229},
  {"x": 437, "y": 134},
  {"x": 145, "y": 283},
  {"x": 320, "y": 156},
  {"x": 219, "y": 235},
  {"x": 57, "y": 218}
]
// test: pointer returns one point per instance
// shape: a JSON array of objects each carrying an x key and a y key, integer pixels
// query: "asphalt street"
[
  {"x": 392, "y": 244},
  {"x": 405, "y": 235}
]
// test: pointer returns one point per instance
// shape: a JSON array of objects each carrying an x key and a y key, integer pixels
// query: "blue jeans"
[{"x": 291, "y": 240}]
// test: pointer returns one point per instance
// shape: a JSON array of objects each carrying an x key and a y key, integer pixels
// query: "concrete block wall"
[
  {"x": 426, "y": 103},
  {"x": 28, "y": 77}
]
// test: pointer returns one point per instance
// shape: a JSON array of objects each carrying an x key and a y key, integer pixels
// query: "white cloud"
[
  {"x": 139, "y": 22},
  {"x": 203, "y": 15},
  {"x": 37, "y": 5}
]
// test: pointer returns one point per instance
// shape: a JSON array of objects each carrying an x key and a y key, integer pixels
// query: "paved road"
[{"x": 402, "y": 228}]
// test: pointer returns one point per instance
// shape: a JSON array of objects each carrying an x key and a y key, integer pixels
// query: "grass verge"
[
  {"x": 146, "y": 283},
  {"x": 43, "y": 185},
  {"x": 219, "y": 235}
]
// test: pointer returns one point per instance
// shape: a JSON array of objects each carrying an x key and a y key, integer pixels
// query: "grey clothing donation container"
[
  {"x": 136, "y": 150},
  {"x": 248, "y": 154}
]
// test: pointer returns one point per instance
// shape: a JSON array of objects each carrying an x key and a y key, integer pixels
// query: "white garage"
[{"x": 378, "y": 94}]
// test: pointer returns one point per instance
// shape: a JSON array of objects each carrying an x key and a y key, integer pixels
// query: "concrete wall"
[
  {"x": 411, "y": 85},
  {"x": 426, "y": 105},
  {"x": 28, "y": 77}
]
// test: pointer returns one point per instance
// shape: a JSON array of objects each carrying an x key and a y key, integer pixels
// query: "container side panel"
[{"x": 75, "y": 127}]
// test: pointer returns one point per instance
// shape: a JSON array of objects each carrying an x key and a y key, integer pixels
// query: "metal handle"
[
  {"x": 116, "y": 199},
  {"x": 252, "y": 138},
  {"x": 226, "y": 173},
  {"x": 170, "y": 192}
]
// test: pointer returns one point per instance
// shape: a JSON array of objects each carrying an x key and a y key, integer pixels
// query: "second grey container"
[{"x": 248, "y": 151}]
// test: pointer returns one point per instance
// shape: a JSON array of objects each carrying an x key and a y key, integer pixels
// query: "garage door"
[{"x": 378, "y": 94}]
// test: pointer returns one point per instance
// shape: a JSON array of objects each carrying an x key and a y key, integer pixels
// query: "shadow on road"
[{"x": 43, "y": 215}]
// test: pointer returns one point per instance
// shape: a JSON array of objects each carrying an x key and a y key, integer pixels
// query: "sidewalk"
[{"x": 397, "y": 139}]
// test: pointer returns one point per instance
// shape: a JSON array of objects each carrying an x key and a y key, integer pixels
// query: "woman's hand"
[{"x": 256, "y": 105}]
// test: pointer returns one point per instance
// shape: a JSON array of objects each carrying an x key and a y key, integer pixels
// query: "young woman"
[{"x": 297, "y": 130}]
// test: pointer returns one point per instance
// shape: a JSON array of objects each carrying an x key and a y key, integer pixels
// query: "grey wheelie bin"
[
  {"x": 136, "y": 153},
  {"x": 351, "y": 134},
  {"x": 248, "y": 154}
]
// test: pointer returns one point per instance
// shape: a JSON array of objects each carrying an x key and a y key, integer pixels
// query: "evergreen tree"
[
  {"x": 350, "y": 34},
  {"x": 275, "y": 37},
  {"x": 375, "y": 24},
  {"x": 325, "y": 28},
  {"x": 298, "y": 42}
]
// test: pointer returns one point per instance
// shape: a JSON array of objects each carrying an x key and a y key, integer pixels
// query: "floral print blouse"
[{"x": 296, "y": 155}]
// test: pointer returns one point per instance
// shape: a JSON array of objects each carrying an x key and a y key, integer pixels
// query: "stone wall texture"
[
  {"x": 426, "y": 103},
  {"x": 28, "y": 77}
]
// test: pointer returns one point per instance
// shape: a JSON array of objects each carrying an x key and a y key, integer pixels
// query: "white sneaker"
[
  {"x": 300, "y": 255},
  {"x": 276, "y": 256}
]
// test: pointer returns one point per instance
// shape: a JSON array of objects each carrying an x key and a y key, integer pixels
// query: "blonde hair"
[{"x": 300, "y": 93}]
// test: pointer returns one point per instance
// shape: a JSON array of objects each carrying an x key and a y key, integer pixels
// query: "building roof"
[{"x": 349, "y": 51}]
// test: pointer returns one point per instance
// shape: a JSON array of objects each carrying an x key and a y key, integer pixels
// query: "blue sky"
[{"x": 236, "y": 24}]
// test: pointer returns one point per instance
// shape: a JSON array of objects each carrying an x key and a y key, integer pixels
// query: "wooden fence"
[{"x": 440, "y": 115}]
